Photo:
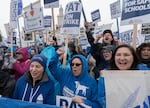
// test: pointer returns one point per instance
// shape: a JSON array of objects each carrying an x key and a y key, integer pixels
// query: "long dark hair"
[
  {"x": 138, "y": 52},
  {"x": 135, "y": 58}
]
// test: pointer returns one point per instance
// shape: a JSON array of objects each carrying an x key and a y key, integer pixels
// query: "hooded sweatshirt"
[
  {"x": 70, "y": 85},
  {"x": 42, "y": 92},
  {"x": 22, "y": 66}
]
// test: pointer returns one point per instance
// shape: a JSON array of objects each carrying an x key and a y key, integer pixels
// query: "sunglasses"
[{"x": 76, "y": 64}]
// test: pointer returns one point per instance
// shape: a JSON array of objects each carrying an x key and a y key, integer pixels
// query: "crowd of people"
[{"x": 25, "y": 75}]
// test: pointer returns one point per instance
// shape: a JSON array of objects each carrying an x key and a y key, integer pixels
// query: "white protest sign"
[
  {"x": 33, "y": 20},
  {"x": 135, "y": 12},
  {"x": 147, "y": 38},
  {"x": 127, "y": 89},
  {"x": 13, "y": 14},
  {"x": 14, "y": 35},
  {"x": 71, "y": 21},
  {"x": 7, "y": 28},
  {"x": 115, "y": 9},
  {"x": 100, "y": 29},
  {"x": 47, "y": 22},
  {"x": 32, "y": 11},
  {"x": 145, "y": 28},
  {"x": 126, "y": 37},
  {"x": 96, "y": 16},
  {"x": 66, "y": 101},
  {"x": 28, "y": 37},
  {"x": 83, "y": 39},
  {"x": 51, "y": 3}
]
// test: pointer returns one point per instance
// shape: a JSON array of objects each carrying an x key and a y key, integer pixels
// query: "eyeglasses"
[
  {"x": 76, "y": 64},
  {"x": 107, "y": 51}
]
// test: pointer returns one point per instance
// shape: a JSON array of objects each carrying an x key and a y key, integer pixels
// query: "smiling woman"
[
  {"x": 124, "y": 58},
  {"x": 35, "y": 86}
]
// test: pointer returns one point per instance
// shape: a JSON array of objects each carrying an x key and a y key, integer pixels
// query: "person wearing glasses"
[{"x": 75, "y": 82}]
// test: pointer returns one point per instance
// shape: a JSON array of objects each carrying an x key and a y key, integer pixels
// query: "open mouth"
[{"x": 122, "y": 63}]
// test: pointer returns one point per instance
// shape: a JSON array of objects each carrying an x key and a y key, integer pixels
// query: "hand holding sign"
[{"x": 77, "y": 99}]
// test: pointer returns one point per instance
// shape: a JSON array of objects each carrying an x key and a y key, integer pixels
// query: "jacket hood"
[
  {"x": 84, "y": 72},
  {"x": 25, "y": 53}
]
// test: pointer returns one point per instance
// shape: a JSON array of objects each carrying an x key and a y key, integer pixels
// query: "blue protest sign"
[
  {"x": 13, "y": 14},
  {"x": 20, "y": 7},
  {"x": 147, "y": 38},
  {"x": 126, "y": 37},
  {"x": 51, "y": 3},
  {"x": 96, "y": 16},
  {"x": 135, "y": 12},
  {"x": 47, "y": 22},
  {"x": 71, "y": 22}
]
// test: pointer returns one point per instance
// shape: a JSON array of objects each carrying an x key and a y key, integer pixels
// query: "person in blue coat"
[
  {"x": 35, "y": 86},
  {"x": 123, "y": 58},
  {"x": 75, "y": 82}
]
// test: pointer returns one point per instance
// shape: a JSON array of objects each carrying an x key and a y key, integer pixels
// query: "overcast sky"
[{"x": 88, "y": 5}]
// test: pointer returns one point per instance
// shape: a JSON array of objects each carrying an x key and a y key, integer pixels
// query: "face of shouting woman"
[
  {"x": 124, "y": 58},
  {"x": 76, "y": 66}
]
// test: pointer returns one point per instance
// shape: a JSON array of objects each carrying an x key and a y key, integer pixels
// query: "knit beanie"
[{"x": 40, "y": 59}]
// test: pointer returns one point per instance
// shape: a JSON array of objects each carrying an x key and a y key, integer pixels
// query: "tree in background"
[{"x": 1, "y": 37}]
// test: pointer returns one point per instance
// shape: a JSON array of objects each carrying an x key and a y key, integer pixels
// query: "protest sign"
[
  {"x": 71, "y": 21},
  {"x": 13, "y": 14},
  {"x": 145, "y": 28},
  {"x": 147, "y": 38},
  {"x": 14, "y": 35},
  {"x": 83, "y": 41},
  {"x": 127, "y": 89},
  {"x": 96, "y": 16},
  {"x": 51, "y": 3},
  {"x": 8, "y": 29},
  {"x": 135, "y": 12},
  {"x": 66, "y": 101},
  {"x": 126, "y": 37},
  {"x": 100, "y": 29},
  {"x": 28, "y": 37},
  {"x": 33, "y": 17},
  {"x": 33, "y": 20},
  {"x": 115, "y": 9},
  {"x": 20, "y": 7},
  {"x": 47, "y": 23}
]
